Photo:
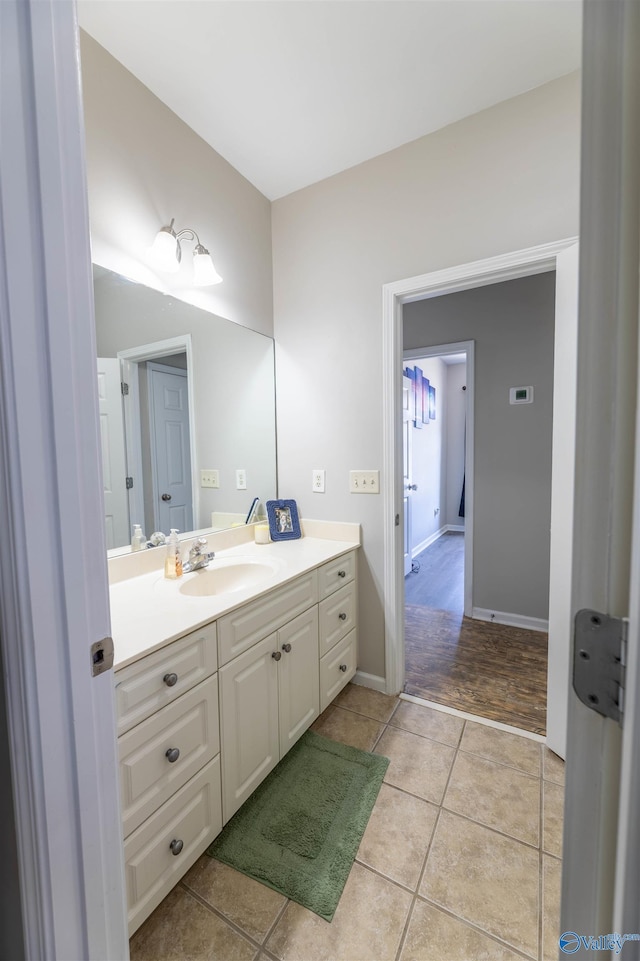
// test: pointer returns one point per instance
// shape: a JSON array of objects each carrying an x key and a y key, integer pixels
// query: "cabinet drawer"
[
  {"x": 337, "y": 617},
  {"x": 332, "y": 676},
  {"x": 241, "y": 629},
  {"x": 335, "y": 574},
  {"x": 147, "y": 777},
  {"x": 141, "y": 688},
  {"x": 193, "y": 816}
]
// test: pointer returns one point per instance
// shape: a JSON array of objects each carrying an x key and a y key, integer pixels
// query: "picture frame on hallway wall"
[
  {"x": 418, "y": 395},
  {"x": 425, "y": 400},
  {"x": 432, "y": 402}
]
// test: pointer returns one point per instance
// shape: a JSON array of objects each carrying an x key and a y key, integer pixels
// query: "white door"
[
  {"x": 171, "y": 456},
  {"x": 407, "y": 439},
  {"x": 114, "y": 468}
]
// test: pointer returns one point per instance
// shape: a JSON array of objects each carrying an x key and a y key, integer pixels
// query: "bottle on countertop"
[
  {"x": 173, "y": 561},
  {"x": 138, "y": 540}
]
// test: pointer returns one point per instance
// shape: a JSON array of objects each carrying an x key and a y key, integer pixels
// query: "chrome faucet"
[{"x": 198, "y": 558}]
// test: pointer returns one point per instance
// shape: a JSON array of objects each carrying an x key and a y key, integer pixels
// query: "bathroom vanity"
[{"x": 217, "y": 675}]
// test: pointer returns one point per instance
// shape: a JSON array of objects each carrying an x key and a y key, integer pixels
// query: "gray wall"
[
  {"x": 501, "y": 180},
  {"x": 512, "y": 325},
  {"x": 145, "y": 166}
]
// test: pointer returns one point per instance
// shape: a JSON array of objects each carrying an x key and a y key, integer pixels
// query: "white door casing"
[
  {"x": 407, "y": 439},
  {"x": 114, "y": 467}
]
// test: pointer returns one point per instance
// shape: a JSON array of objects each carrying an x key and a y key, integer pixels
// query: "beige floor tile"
[
  {"x": 552, "y": 818},
  {"x": 181, "y": 928},
  {"x": 498, "y": 796},
  {"x": 249, "y": 904},
  {"x": 434, "y": 936},
  {"x": 367, "y": 925},
  {"x": 552, "y": 766},
  {"x": 363, "y": 700},
  {"x": 349, "y": 728},
  {"x": 512, "y": 749},
  {"x": 551, "y": 883},
  {"x": 397, "y": 836},
  {"x": 428, "y": 722},
  {"x": 418, "y": 765},
  {"x": 486, "y": 879}
]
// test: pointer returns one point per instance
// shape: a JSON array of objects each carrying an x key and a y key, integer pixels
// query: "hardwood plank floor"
[{"x": 492, "y": 670}]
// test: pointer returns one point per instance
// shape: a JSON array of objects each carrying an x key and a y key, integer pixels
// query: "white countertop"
[{"x": 148, "y": 611}]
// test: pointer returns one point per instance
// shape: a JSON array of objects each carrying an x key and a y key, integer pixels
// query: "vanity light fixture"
[{"x": 166, "y": 254}]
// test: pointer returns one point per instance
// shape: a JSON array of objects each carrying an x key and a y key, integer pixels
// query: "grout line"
[
  {"x": 476, "y": 718},
  {"x": 276, "y": 921},
  {"x": 510, "y": 767},
  {"x": 540, "y": 871},
  {"x": 475, "y": 927},
  {"x": 219, "y": 914}
]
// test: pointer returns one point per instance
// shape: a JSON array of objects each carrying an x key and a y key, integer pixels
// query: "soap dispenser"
[
  {"x": 138, "y": 541},
  {"x": 173, "y": 561}
]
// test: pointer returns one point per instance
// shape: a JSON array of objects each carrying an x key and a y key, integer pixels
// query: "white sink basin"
[{"x": 224, "y": 577}]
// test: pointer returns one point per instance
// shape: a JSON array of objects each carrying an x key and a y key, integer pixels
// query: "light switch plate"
[
  {"x": 364, "y": 481},
  {"x": 210, "y": 478},
  {"x": 241, "y": 479},
  {"x": 317, "y": 481}
]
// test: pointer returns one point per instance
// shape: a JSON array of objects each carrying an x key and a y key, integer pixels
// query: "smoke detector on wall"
[{"x": 521, "y": 395}]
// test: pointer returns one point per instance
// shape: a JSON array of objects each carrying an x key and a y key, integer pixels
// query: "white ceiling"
[{"x": 293, "y": 91}]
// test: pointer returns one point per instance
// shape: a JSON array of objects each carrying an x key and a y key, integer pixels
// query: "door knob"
[
  {"x": 412, "y": 487},
  {"x": 166, "y": 497}
]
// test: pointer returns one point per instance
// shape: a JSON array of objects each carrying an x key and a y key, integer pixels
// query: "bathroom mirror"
[{"x": 190, "y": 440}]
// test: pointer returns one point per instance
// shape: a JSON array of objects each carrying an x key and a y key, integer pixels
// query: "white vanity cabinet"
[{"x": 169, "y": 750}]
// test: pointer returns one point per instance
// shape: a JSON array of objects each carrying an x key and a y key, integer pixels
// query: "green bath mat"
[{"x": 300, "y": 830}]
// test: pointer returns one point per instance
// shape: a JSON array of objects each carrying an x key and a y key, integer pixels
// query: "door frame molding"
[
  {"x": 468, "y": 347},
  {"x": 479, "y": 273},
  {"x": 129, "y": 359}
]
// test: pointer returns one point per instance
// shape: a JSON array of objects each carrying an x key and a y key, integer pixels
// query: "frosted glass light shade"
[
  {"x": 165, "y": 251},
  {"x": 204, "y": 272}
]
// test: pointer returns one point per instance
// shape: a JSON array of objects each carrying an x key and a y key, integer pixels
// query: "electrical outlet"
[
  {"x": 210, "y": 478},
  {"x": 241, "y": 479},
  {"x": 317, "y": 481},
  {"x": 364, "y": 481}
]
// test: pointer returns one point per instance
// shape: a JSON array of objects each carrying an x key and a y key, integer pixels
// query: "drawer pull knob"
[
  {"x": 276, "y": 655},
  {"x": 170, "y": 679},
  {"x": 342, "y": 616},
  {"x": 172, "y": 754},
  {"x": 342, "y": 573},
  {"x": 286, "y": 648},
  {"x": 176, "y": 846},
  {"x": 343, "y": 668}
]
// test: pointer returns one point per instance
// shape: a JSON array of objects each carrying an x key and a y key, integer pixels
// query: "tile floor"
[{"x": 460, "y": 860}]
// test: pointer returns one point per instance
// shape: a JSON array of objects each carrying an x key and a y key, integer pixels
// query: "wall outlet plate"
[
  {"x": 317, "y": 481},
  {"x": 210, "y": 478},
  {"x": 364, "y": 481},
  {"x": 241, "y": 479}
]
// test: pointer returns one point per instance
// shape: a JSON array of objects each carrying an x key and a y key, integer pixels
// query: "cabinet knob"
[
  {"x": 342, "y": 616},
  {"x": 286, "y": 648},
  {"x": 172, "y": 754},
  {"x": 343, "y": 668},
  {"x": 276, "y": 655},
  {"x": 176, "y": 846},
  {"x": 170, "y": 679},
  {"x": 342, "y": 573}
]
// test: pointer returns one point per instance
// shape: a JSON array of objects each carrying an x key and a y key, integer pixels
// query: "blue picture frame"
[
  {"x": 284, "y": 523},
  {"x": 432, "y": 402}
]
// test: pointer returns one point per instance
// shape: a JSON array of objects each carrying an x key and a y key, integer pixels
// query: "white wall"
[
  {"x": 456, "y": 410},
  {"x": 145, "y": 166},
  {"x": 501, "y": 180}
]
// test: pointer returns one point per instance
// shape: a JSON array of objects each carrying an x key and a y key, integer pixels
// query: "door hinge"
[
  {"x": 599, "y": 658},
  {"x": 129, "y": 482},
  {"x": 124, "y": 388}
]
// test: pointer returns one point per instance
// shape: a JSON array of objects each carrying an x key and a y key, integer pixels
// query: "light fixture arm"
[{"x": 168, "y": 251}]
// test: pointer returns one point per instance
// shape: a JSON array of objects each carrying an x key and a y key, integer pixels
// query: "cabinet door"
[
  {"x": 299, "y": 674},
  {"x": 248, "y": 722}
]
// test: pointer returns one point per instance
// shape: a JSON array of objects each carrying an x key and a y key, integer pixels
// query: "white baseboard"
[
  {"x": 373, "y": 681},
  {"x": 456, "y": 528},
  {"x": 427, "y": 542},
  {"x": 510, "y": 620}
]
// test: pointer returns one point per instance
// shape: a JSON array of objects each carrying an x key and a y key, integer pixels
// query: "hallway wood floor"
[{"x": 490, "y": 670}]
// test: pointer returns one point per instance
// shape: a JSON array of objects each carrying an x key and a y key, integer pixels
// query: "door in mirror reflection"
[
  {"x": 169, "y": 448},
  {"x": 116, "y": 507}
]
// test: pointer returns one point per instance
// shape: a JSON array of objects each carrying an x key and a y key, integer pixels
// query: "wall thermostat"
[{"x": 521, "y": 395}]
